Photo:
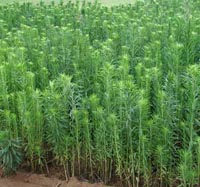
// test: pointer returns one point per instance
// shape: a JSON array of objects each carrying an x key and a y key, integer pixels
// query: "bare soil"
[{"x": 22, "y": 179}]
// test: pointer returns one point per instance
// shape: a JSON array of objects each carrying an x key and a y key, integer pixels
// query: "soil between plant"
[{"x": 22, "y": 179}]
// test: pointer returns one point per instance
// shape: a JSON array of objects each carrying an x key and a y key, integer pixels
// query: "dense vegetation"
[{"x": 102, "y": 92}]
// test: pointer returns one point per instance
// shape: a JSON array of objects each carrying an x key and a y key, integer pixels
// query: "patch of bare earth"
[{"x": 34, "y": 180}]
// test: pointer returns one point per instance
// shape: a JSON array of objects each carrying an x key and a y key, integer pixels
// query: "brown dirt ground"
[{"x": 39, "y": 180}]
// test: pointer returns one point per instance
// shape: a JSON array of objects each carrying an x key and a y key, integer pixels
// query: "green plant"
[
  {"x": 103, "y": 92},
  {"x": 10, "y": 153}
]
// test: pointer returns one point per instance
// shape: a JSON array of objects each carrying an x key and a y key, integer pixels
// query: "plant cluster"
[{"x": 103, "y": 91}]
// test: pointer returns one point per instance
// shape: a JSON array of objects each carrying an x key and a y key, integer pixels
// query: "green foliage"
[
  {"x": 10, "y": 153},
  {"x": 102, "y": 92}
]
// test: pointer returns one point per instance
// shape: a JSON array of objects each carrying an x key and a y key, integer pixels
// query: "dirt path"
[{"x": 34, "y": 180}]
